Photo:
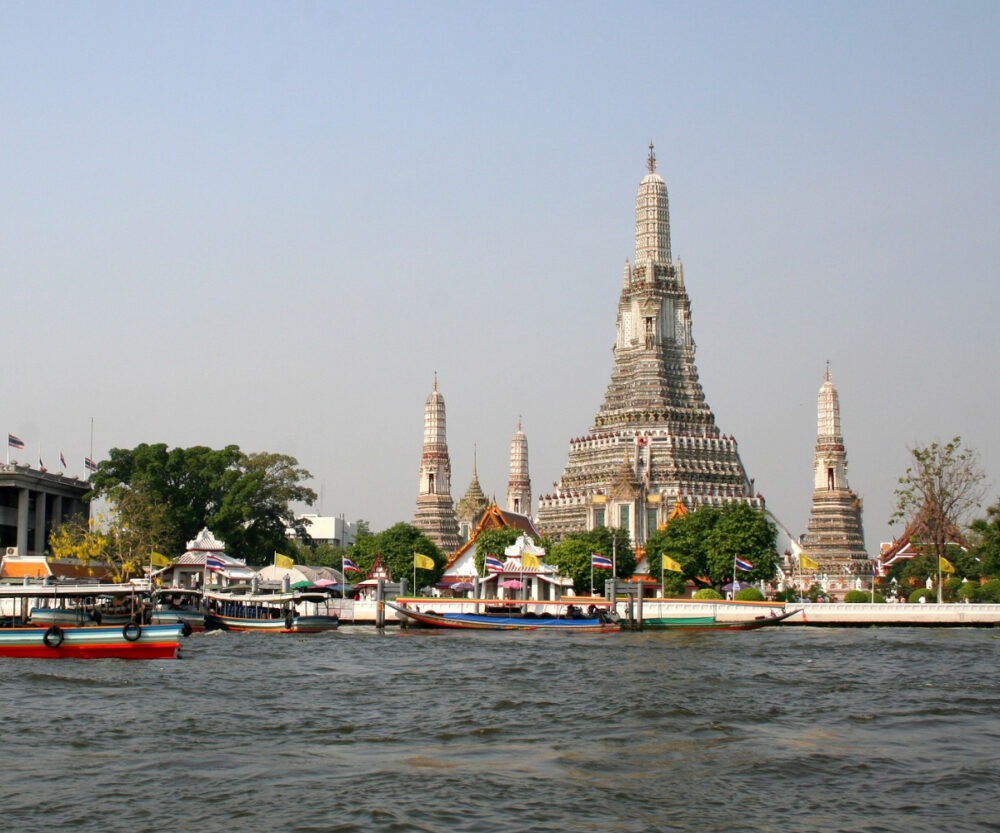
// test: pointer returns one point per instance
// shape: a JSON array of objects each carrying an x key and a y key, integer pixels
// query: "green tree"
[
  {"x": 572, "y": 556},
  {"x": 135, "y": 526},
  {"x": 685, "y": 540},
  {"x": 397, "y": 546},
  {"x": 942, "y": 485},
  {"x": 494, "y": 542},
  {"x": 986, "y": 542},
  {"x": 244, "y": 498},
  {"x": 322, "y": 554},
  {"x": 705, "y": 543},
  {"x": 745, "y": 532}
]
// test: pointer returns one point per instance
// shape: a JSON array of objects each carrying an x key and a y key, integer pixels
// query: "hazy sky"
[{"x": 269, "y": 224}]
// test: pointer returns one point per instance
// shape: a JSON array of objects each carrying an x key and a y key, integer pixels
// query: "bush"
[
  {"x": 862, "y": 597},
  {"x": 788, "y": 595},
  {"x": 817, "y": 593},
  {"x": 706, "y": 594},
  {"x": 922, "y": 592},
  {"x": 990, "y": 592},
  {"x": 968, "y": 592},
  {"x": 951, "y": 587},
  {"x": 749, "y": 594}
]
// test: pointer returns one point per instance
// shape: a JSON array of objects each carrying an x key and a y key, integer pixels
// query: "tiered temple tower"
[
  {"x": 435, "y": 511},
  {"x": 472, "y": 505},
  {"x": 654, "y": 441},
  {"x": 835, "y": 538},
  {"x": 519, "y": 482}
]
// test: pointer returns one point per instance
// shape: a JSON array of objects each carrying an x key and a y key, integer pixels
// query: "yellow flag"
[
  {"x": 806, "y": 563},
  {"x": 284, "y": 561},
  {"x": 158, "y": 560},
  {"x": 424, "y": 562},
  {"x": 530, "y": 560},
  {"x": 670, "y": 564},
  {"x": 947, "y": 566}
]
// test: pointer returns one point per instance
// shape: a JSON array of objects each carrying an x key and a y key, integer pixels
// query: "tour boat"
[
  {"x": 131, "y": 641},
  {"x": 509, "y": 617},
  {"x": 53, "y": 621},
  {"x": 178, "y": 604},
  {"x": 269, "y": 612}
]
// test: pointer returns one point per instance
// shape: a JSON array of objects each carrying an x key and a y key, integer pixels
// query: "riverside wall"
[{"x": 807, "y": 614}]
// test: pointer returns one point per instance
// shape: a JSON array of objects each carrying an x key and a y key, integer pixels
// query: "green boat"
[{"x": 710, "y": 623}]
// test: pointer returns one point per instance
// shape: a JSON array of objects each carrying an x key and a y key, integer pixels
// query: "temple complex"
[
  {"x": 519, "y": 482},
  {"x": 834, "y": 537},
  {"x": 654, "y": 441},
  {"x": 435, "y": 511}
]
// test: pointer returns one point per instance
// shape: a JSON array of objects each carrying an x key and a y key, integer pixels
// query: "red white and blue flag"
[
  {"x": 493, "y": 564},
  {"x": 14, "y": 442},
  {"x": 742, "y": 565},
  {"x": 600, "y": 562},
  {"x": 349, "y": 565},
  {"x": 215, "y": 564},
  {"x": 89, "y": 464}
]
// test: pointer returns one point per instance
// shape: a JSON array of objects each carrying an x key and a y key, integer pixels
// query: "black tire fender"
[
  {"x": 132, "y": 631},
  {"x": 186, "y": 628},
  {"x": 53, "y": 637},
  {"x": 289, "y": 620}
]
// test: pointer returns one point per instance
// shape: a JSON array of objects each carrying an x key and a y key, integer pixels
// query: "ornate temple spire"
[
  {"x": 834, "y": 536},
  {"x": 655, "y": 412},
  {"x": 519, "y": 484},
  {"x": 435, "y": 511},
  {"x": 473, "y": 503},
  {"x": 652, "y": 218},
  {"x": 828, "y": 411}
]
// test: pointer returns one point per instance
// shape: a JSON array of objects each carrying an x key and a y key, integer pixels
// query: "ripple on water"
[{"x": 788, "y": 728}]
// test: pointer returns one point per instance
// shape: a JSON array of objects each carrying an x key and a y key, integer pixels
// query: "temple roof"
[
  {"x": 496, "y": 518},
  {"x": 918, "y": 530}
]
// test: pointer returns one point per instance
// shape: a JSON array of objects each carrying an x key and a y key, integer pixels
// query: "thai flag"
[
  {"x": 349, "y": 565},
  {"x": 215, "y": 564},
  {"x": 600, "y": 562},
  {"x": 742, "y": 565},
  {"x": 89, "y": 464},
  {"x": 493, "y": 564},
  {"x": 14, "y": 442}
]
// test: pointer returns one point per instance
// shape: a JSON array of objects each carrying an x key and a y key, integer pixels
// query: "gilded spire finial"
[
  {"x": 828, "y": 370},
  {"x": 651, "y": 162}
]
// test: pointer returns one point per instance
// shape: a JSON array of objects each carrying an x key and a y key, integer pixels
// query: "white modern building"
[{"x": 325, "y": 529}]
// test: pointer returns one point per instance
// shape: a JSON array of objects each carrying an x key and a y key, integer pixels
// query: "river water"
[{"x": 784, "y": 729}]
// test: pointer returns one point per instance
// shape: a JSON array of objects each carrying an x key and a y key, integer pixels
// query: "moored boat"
[
  {"x": 711, "y": 623},
  {"x": 131, "y": 641},
  {"x": 561, "y": 616},
  {"x": 270, "y": 612},
  {"x": 172, "y": 604},
  {"x": 52, "y": 621}
]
